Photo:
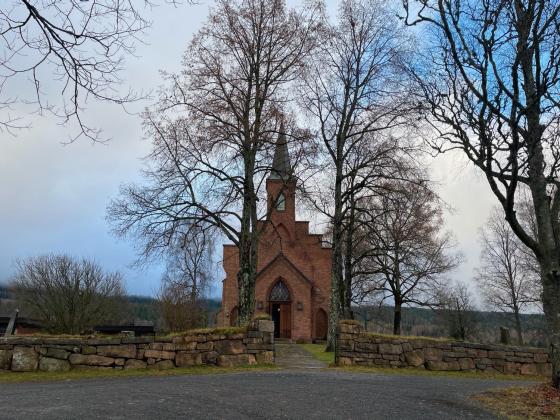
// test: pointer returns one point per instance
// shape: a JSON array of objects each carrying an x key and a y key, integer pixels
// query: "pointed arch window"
[
  {"x": 281, "y": 202},
  {"x": 280, "y": 293}
]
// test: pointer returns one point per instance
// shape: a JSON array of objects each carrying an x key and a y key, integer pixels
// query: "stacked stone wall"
[
  {"x": 216, "y": 347},
  {"x": 356, "y": 347}
]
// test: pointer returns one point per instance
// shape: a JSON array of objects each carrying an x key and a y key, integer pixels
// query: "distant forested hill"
[
  {"x": 5, "y": 292},
  {"x": 430, "y": 323},
  {"x": 415, "y": 321},
  {"x": 135, "y": 309},
  {"x": 7, "y": 302},
  {"x": 142, "y": 308}
]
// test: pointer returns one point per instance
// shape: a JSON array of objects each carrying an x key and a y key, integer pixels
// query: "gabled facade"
[{"x": 293, "y": 280}]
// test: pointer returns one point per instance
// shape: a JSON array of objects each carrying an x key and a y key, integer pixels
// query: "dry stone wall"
[
  {"x": 217, "y": 347},
  {"x": 365, "y": 349}
]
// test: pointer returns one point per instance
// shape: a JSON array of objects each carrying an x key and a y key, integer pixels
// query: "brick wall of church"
[
  {"x": 308, "y": 281},
  {"x": 300, "y": 293}
]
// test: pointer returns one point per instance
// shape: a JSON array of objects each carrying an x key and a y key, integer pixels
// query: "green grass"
[
  {"x": 318, "y": 351},
  {"x": 350, "y": 321},
  {"x": 15, "y": 377},
  {"x": 218, "y": 330},
  {"x": 201, "y": 331},
  {"x": 46, "y": 334},
  {"x": 409, "y": 337},
  {"x": 433, "y": 339},
  {"x": 197, "y": 331},
  {"x": 423, "y": 372}
]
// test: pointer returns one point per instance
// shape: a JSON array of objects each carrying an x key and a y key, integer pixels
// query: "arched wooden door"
[
  {"x": 321, "y": 324},
  {"x": 233, "y": 317},
  {"x": 280, "y": 302}
]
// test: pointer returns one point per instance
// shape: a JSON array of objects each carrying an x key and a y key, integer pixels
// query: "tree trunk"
[
  {"x": 397, "y": 318},
  {"x": 336, "y": 297},
  {"x": 548, "y": 256},
  {"x": 245, "y": 282},
  {"x": 461, "y": 322},
  {"x": 349, "y": 245},
  {"x": 247, "y": 251},
  {"x": 337, "y": 284},
  {"x": 246, "y": 287},
  {"x": 551, "y": 304},
  {"x": 518, "y": 326},
  {"x": 548, "y": 249},
  {"x": 254, "y": 252}
]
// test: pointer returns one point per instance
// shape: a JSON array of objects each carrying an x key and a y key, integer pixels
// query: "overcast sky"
[{"x": 54, "y": 196}]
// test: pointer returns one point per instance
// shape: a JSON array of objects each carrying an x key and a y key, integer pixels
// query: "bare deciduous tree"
[
  {"x": 214, "y": 131},
  {"x": 186, "y": 280},
  {"x": 177, "y": 308},
  {"x": 77, "y": 45},
  {"x": 367, "y": 170},
  {"x": 189, "y": 262},
  {"x": 353, "y": 92},
  {"x": 409, "y": 252},
  {"x": 506, "y": 277},
  {"x": 458, "y": 310},
  {"x": 491, "y": 85},
  {"x": 67, "y": 294}
]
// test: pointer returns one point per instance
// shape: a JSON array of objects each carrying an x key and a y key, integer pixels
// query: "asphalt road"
[{"x": 250, "y": 395}]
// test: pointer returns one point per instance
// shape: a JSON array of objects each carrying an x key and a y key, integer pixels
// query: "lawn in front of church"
[{"x": 9, "y": 377}]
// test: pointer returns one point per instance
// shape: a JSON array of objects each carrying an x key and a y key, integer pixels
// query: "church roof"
[{"x": 281, "y": 168}]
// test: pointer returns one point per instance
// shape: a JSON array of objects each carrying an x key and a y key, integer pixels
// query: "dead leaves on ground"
[{"x": 536, "y": 402}]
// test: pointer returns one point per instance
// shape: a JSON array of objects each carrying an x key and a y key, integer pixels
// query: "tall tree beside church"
[
  {"x": 491, "y": 84},
  {"x": 213, "y": 130},
  {"x": 353, "y": 93}
]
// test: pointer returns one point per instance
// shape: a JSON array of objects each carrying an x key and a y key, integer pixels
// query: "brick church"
[{"x": 293, "y": 273}]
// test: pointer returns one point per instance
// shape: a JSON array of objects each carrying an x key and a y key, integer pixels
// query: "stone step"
[{"x": 293, "y": 356}]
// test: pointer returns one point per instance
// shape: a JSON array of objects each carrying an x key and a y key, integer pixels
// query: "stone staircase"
[{"x": 294, "y": 356}]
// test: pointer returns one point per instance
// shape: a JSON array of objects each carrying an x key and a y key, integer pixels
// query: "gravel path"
[{"x": 303, "y": 394}]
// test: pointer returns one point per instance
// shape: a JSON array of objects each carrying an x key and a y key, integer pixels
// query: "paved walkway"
[{"x": 293, "y": 356}]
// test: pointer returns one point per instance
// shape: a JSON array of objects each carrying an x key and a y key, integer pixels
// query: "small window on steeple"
[{"x": 281, "y": 202}]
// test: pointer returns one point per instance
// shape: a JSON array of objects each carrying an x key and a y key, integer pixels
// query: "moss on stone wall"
[
  {"x": 224, "y": 347},
  {"x": 356, "y": 348}
]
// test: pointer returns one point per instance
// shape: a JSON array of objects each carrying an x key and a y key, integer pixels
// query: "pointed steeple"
[{"x": 281, "y": 168}]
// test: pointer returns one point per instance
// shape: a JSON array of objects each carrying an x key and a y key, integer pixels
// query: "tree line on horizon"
[{"x": 480, "y": 326}]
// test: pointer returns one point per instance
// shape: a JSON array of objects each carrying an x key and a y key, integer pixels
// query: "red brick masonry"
[{"x": 287, "y": 252}]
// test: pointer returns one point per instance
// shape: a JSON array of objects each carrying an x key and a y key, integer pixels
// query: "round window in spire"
[
  {"x": 280, "y": 293},
  {"x": 281, "y": 202}
]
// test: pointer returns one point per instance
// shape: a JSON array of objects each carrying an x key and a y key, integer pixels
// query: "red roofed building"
[{"x": 293, "y": 273}]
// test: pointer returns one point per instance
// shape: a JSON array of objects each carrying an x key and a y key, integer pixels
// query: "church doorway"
[
  {"x": 321, "y": 324},
  {"x": 233, "y": 317},
  {"x": 281, "y": 310}
]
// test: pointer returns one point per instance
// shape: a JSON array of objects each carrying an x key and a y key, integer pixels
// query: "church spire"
[{"x": 281, "y": 168}]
